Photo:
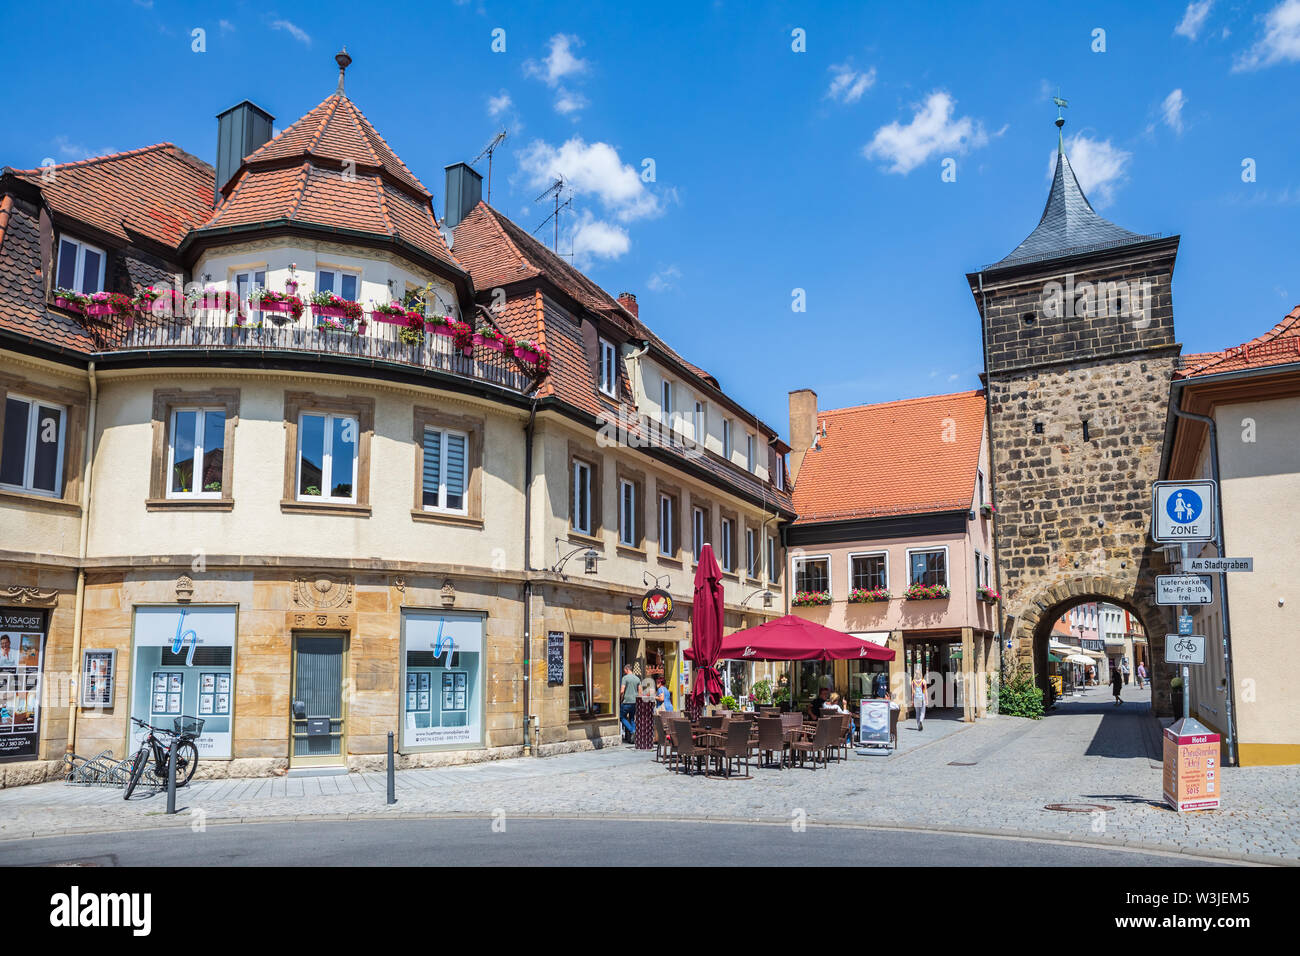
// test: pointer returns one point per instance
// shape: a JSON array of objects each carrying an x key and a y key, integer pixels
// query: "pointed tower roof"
[{"x": 1069, "y": 224}]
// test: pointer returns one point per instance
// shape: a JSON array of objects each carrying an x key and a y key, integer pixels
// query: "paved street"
[
  {"x": 995, "y": 776},
  {"x": 552, "y": 843}
]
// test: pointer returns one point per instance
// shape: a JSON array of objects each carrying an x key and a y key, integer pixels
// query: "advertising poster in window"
[
  {"x": 443, "y": 662},
  {"x": 22, "y": 656},
  {"x": 183, "y": 664}
]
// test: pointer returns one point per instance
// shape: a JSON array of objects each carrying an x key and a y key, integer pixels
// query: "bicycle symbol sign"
[{"x": 1185, "y": 649}]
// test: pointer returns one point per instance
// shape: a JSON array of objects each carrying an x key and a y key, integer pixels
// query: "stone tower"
[{"x": 1079, "y": 352}]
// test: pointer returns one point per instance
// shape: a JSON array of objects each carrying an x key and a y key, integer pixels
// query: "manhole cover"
[{"x": 1077, "y": 807}]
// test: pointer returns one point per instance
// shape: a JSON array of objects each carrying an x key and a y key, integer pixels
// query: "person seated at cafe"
[
  {"x": 832, "y": 704},
  {"x": 817, "y": 703}
]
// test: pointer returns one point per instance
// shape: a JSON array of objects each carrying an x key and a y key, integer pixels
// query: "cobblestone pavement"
[{"x": 996, "y": 775}]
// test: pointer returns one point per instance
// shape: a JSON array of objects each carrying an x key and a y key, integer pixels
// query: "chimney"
[
  {"x": 803, "y": 427},
  {"x": 464, "y": 190},
  {"x": 628, "y": 301},
  {"x": 241, "y": 130}
]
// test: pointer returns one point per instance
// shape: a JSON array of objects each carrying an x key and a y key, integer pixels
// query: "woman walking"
[
  {"x": 918, "y": 699},
  {"x": 1116, "y": 685}
]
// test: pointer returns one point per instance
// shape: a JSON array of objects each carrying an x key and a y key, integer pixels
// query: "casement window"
[
  {"x": 607, "y": 371},
  {"x": 245, "y": 283},
  {"x": 699, "y": 530},
  {"x": 699, "y": 423},
  {"x": 979, "y": 488},
  {"x": 80, "y": 266},
  {"x": 196, "y": 451},
  {"x": 751, "y": 552},
  {"x": 988, "y": 578},
  {"x": 726, "y": 438},
  {"x": 327, "y": 457},
  {"x": 445, "y": 478},
  {"x": 978, "y": 569},
  {"x": 780, "y": 472},
  {"x": 728, "y": 544},
  {"x": 869, "y": 571},
  {"x": 666, "y": 401},
  {"x": 749, "y": 453},
  {"x": 580, "y": 509},
  {"x": 591, "y": 677},
  {"x": 928, "y": 567},
  {"x": 34, "y": 439},
  {"x": 667, "y": 526},
  {"x": 773, "y": 567},
  {"x": 345, "y": 285},
  {"x": 627, "y": 514},
  {"x": 812, "y": 574}
]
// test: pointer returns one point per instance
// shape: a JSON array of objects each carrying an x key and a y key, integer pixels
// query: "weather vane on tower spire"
[
  {"x": 344, "y": 61},
  {"x": 1060, "y": 117}
]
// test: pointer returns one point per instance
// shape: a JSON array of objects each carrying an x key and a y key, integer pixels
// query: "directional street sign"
[
  {"x": 1184, "y": 589},
  {"x": 1184, "y": 648},
  {"x": 1183, "y": 510},
  {"x": 1219, "y": 564}
]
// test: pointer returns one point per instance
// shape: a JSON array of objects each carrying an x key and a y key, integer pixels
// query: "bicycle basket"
[{"x": 188, "y": 725}]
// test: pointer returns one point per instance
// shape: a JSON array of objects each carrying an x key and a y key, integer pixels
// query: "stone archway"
[{"x": 1028, "y": 630}]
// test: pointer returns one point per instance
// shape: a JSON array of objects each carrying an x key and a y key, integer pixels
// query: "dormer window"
[
  {"x": 81, "y": 266},
  {"x": 607, "y": 370},
  {"x": 345, "y": 285},
  {"x": 666, "y": 400}
]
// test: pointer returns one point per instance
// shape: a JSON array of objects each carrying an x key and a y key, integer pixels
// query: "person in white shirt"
[{"x": 8, "y": 657}]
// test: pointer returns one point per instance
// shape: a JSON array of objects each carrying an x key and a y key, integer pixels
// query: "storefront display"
[
  {"x": 98, "y": 675},
  {"x": 184, "y": 664},
  {"x": 442, "y": 674},
  {"x": 22, "y": 656}
]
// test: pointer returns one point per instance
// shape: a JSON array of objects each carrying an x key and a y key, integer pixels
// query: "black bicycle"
[{"x": 181, "y": 738}]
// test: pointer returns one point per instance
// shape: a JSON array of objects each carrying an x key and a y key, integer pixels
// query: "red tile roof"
[
  {"x": 159, "y": 191},
  {"x": 331, "y": 168},
  {"x": 1280, "y": 345},
  {"x": 908, "y": 457},
  {"x": 22, "y": 285}
]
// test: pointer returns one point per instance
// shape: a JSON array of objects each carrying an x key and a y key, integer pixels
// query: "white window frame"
[
  {"x": 29, "y": 453},
  {"x": 977, "y": 569},
  {"x": 199, "y": 451},
  {"x": 771, "y": 559},
  {"x": 798, "y": 562},
  {"x": 79, "y": 264},
  {"x": 338, "y": 276},
  {"x": 728, "y": 556},
  {"x": 868, "y": 554},
  {"x": 699, "y": 519},
  {"x": 666, "y": 400},
  {"x": 441, "y": 506},
  {"x": 780, "y": 472},
  {"x": 327, "y": 458},
  {"x": 700, "y": 422},
  {"x": 979, "y": 486},
  {"x": 626, "y": 513},
  {"x": 752, "y": 557},
  {"x": 947, "y": 564},
  {"x": 749, "y": 453},
  {"x": 249, "y": 275},
  {"x": 666, "y": 525},
  {"x": 606, "y": 369},
  {"x": 988, "y": 577},
  {"x": 726, "y": 438},
  {"x": 581, "y": 523}
]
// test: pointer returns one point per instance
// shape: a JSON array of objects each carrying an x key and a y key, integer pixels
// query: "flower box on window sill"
[
  {"x": 330, "y": 311},
  {"x": 526, "y": 354},
  {"x": 270, "y": 305},
  {"x": 99, "y": 309},
  {"x": 440, "y": 328},
  {"x": 921, "y": 592},
  {"x": 391, "y": 318},
  {"x": 72, "y": 305},
  {"x": 987, "y": 510},
  {"x": 811, "y": 599},
  {"x": 489, "y": 342},
  {"x": 868, "y": 595},
  {"x": 988, "y": 595}
]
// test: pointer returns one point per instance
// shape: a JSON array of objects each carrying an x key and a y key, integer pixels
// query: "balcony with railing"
[{"x": 267, "y": 333}]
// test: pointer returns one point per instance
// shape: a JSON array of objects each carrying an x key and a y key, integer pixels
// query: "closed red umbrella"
[
  {"x": 706, "y": 629},
  {"x": 792, "y": 638}
]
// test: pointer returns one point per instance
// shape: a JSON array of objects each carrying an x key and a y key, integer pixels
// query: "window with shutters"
[
  {"x": 448, "y": 468},
  {"x": 446, "y": 471}
]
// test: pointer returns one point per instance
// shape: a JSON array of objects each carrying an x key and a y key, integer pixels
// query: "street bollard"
[
  {"x": 392, "y": 772},
  {"x": 171, "y": 778}
]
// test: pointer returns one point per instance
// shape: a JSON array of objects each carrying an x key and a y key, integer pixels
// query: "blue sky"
[{"x": 773, "y": 169}]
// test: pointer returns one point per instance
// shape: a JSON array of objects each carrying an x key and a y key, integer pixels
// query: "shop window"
[
  {"x": 812, "y": 574},
  {"x": 869, "y": 571},
  {"x": 443, "y": 680},
  {"x": 591, "y": 677},
  {"x": 445, "y": 470},
  {"x": 196, "y": 452},
  {"x": 928, "y": 568},
  {"x": 81, "y": 266},
  {"x": 31, "y": 458},
  {"x": 345, "y": 285},
  {"x": 184, "y": 665}
]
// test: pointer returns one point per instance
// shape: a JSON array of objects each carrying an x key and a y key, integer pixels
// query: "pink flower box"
[
  {"x": 388, "y": 318},
  {"x": 439, "y": 328},
  {"x": 267, "y": 305},
  {"x": 496, "y": 345},
  {"x": 63, "y": 303},
  {"x": 468, "y": 351},
  {"x": 527, "y": 354},
  {"x": 332, "y": 311},
  {"x": 99, "y": 309}
]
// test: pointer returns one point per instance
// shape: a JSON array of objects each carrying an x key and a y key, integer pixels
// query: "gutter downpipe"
[
  {"x": 1002, "y": 636},
  {"x": 87, "y": 472},
  {"x": 1229, "y": 706},
  {"x": 529, "y": 721}
]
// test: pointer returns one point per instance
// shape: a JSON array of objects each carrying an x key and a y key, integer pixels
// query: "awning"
[
  {"x": 793, "y": 638},
  {"x": 880, "y": 638},
  {"x": 1080, "y": 659}
]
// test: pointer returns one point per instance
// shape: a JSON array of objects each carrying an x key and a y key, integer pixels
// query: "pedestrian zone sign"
[
  {"x": 1184, "y": 589},
  {"x": 1183, "y": 510}
]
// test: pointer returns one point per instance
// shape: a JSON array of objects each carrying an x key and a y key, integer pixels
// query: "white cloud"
[
  {"x": 295, "y": 31},
  {"x": 71, "y": 152},
  {"x": 593, "y": 238},
  {"x": 664, "y": 280},
  {"x": 226, "y": 26},
  {"x": 591, "y": 169},
  {"x": 1280, "y": 42},
  {"x": 1194, "y": 18},
  {"x": 1098, "y": 165},
  {"x": 932, "y": 131},
  {"x": 499, "y": 104},
  {"x": 567, "y": 101},
  {"x": 560, "y": 62},
  {"x": 1172, "y": 109},
  {"x": 848, "y": 85}
]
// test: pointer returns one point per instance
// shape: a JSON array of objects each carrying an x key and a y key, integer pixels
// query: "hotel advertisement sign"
[{"x": 1191, "y": 769}]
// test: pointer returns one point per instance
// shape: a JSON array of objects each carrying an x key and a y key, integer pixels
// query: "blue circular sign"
[{"x": 1184, "y": 506}]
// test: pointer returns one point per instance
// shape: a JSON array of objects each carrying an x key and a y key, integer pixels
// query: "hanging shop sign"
[
  {"x": 98, "y": 674},
  {"x": 22, "y": 656},
  {"x": 442, "y": 675},
  {"x": 657, "y": 606}
]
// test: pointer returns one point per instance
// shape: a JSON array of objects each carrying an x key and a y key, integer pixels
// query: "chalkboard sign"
[{"x": 554, "y": 658}]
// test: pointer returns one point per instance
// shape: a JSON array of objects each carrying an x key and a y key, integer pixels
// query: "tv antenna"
[
  {"x": 487, "y": 151},
  {"x": 554, "y": 191}
]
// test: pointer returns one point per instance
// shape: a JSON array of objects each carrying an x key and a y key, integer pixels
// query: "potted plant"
[
  {"x": 811, "y": 598},
  {"x": 284, "y": 302},
  {"x": 988, "y": 595},
  {"x": 493, "y": 339},
  {"x": 924, "y": 592},
  {"x": 781, "y": 697},
  {"x": 762, "y": 692},
  {"x": 328, "y": 305},
  {"x": 291, "y": 283},
  {"x": 727, "y": 703},
  {"x": 413, "y": 332},
  {"x": 440, "y": 325},
  {"x": 868, "y": 595},
  {"x": 462, "y": 336},
  {"x": 71, "y": 300},
  {"x": 987, "y": 510},
  {"x": 329, "y": 323},
  {"x": 104, "y": 304},
  {"x": 391, "y": 314},
  {"x": 1176, "y": 696}
]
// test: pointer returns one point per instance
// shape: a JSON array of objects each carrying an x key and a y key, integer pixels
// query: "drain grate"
[{"x": 1077, "y": 807}]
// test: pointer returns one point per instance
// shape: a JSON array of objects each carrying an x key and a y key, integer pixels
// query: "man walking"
[
  {"x": 627, "y": 712},
  {"x": 1142, "y": 674}
]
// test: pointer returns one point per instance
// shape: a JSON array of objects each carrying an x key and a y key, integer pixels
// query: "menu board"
[{"x": 554, "y": 658}]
